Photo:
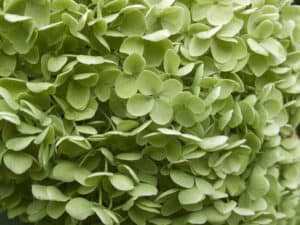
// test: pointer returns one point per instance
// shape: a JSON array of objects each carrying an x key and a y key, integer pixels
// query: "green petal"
[
  {"x": 190, "y": 196},
  {"x": 64, "y": 171},
  {"x": 144, "y": 190},
  {"x": 182, "y": 179},
  {"x": 258, "y": 184},
  {"x": 258, "y": 64},
  {"x": 38, "y": 87},
  {"x": 19, "y": 143},
  {"x": 7, "y": 65},
  {"x": 56, "y": 63},
  {"x": 149, "y": 83},
  {"x": 86, "y": 79},
  {"x": 198, "y": 46},
  {"x": 208, "y": 34},
  {"x": 155, "y": 58},
  {"x": 48, "y": 193},
  {"x": 174, "y": 150},
  {"x": 90, "y": 60},
  {"x": 78, "y": 96},
  {"x": 170, "y": 89},
  {"x": 134, "y": 64},
  {"x": 133, "y": 23},
  {"x": 79, "y": 208},
  {"x": 55, "y": 209},
  {"x": 184, "y": 117},
  {"x": 171, "y": 61},
  {"x": 140, "y": 105},
  {"x": 197, "y": 218},
  {"x": 126, "y": 86},
  {"x": 172, "y": 19},
  {"x": 157, "y": 35},
  {"x": 221, "y": 50},
  {"x": 103, "y": 215},
  {"x": 232, "y": 28},
  {"x": 105, "y": 83},
  {"x": 275, "y": 48},
  {"x": 256, "y": 47},
  {"x": 121, "y": 182},
  {"x": 213, "y": 142},
  {"x": 264, "y": 29},
  {"x": 18, "y": 163},
  {"x": 132, "y": 45},
  {"x": 162, "y": 112},
  {"x": 219, "y": 15}
]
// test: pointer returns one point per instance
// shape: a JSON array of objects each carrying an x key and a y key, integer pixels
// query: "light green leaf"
[
  {"x": 56, "y": 63},
  {"x": 64, "y": 171},
  {"x": 19, "y": 143},
  {"x": 122, "y": 182},
  {"x": 78, "y": 96},
  {"x": 275, "y": 48},
  {"x": 103, "y": 215},
  {"x": 190, "y": 196},
  {"x": 225, "y": 207},
  {"x": 219, "y": 15},
  {"x": 157, "y": 35},
  {"x": 18, "y": 163},
  {"x": 132, "y": 45},
  {"x": 258, "y": 64},
  {"x": 129, "y": 156},
  {"x": 232, "y": 28},
  {"x": 161, "y": 112},
  {"x": 7, "y": 65},
  {"x": 79, "y": 208},
  {"x": 90, "y": 60},
  {"x": 185, "y": 70},
  {"x": 8, "y": 98},
  {"x": 10, "y": 117},
  {"x": 214, "y": 217},
  {"x": 184, "y": 116},
  {"x": 134, "y": 64},
  {"x": 143, "y": 190},
  {"x": 172, "y": 19},
  {"x": 182, "y": 179},
  {"x": 198, "y": 47},
  {"x": 133, "y": 23},
  {"x": 171, "y": 61},
  {"x": 126, "y": 86},
  {"x": 149, "y": 83},
  {"x": 258, "y": 183},
  {"x": 140, "y": 105},
  {"x": 264, "y": 29},
  {"x": 221, "y": 50},
  {"x": 173, "y": 150},
  {"x": 244, "y": 211},
  {"x": 105, "y": 83},
  {"x": 256, "y": 47},
  {"x": 197, "y": 218},
  {"x": 86, "y": 79},
  {"x": 213, "y": 142},
  {"x": 155, "y": 58},
  {"x": 48, "y": 193},
  {"x": 38, "y": 87},
  {"x": 208, "y": 34},
  {"x": 204, "y": 186},
  {"x": 55, "y": 209},
  {"x": 170, "y": 89}
]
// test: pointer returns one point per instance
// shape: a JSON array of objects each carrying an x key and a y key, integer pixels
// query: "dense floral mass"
[{"x": 157, "y": 112}]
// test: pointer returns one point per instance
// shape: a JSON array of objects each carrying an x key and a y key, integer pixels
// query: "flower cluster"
[{"x": 162, "y": 112}]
